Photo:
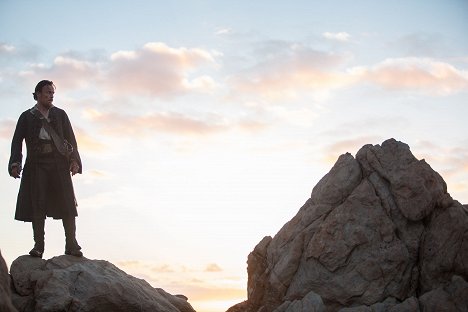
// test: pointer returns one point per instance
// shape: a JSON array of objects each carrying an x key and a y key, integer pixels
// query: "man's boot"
[
  {"x": 71, "y": 245},
  {"x": 38, "y": 232}
]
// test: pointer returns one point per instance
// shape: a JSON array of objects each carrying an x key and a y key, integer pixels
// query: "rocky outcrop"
[
  {"x": 5, "y": 293},
  {"x": 67, "y": 283},
  {"x": 379, "y": 233}
]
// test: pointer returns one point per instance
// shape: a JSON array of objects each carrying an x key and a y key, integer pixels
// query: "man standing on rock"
[{"x": 46, "y": 188}]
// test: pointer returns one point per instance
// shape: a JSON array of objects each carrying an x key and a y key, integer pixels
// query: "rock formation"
[
  {"x": 5, "y": 294},
  {"x": 379, "y": 233},
  {"x": 67, "y": 283}
]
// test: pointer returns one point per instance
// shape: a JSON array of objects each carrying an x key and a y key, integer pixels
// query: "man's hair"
[{"x": 40, "y": 85}]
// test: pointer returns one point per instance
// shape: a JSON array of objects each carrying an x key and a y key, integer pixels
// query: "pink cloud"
[
  {"x": 175, "y": 123},
  {"x": 152, "y": 70},
  {"x": 88, "y": 142},
  {"x": 451, "y": 162},
  {"x": 115, "y": 124},
  {"x": 159, "y": 70},
  {"x": 297, "y": 70},
  {"x": 287, "y": 74},
  {"x": 419, "y": 74},
  {"x": 283, "y": 71}
]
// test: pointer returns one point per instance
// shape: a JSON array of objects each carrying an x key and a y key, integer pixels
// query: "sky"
[{"x": 204, "y": 125}]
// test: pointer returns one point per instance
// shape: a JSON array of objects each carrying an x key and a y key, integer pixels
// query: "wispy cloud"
[
  {"x": 88, "y": 142},
  {"x": 70, "y": 73},
  {"x": 115, "y": 124},
  {"x": 98, "y": 174},
  {"x": 424, "y": 75},
  {"x": 176, "y": 123},
  {"x": 200, "y": 285},
  {"x": 339, "y": 36},
  {"x": 451, "y": 161},
  {"x": 421, "y": 44},
  {"x": 223, "y": 31},
  {"x": 10, "y": 53},
  {"x": 290, "y": 72},
  {"x": 213, "y": 267},
  {"x": 6, "y": 48}
]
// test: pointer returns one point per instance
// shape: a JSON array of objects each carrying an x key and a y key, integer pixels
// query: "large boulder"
[
  {"x": 5, "y": 294},
  {"x": 379, "y": 233},
  {"x": 67, "y": 283}
]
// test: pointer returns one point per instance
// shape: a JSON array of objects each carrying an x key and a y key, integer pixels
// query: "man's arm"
[
  {"x": 69, "y": 135},
  {"x": 16, "y": 156}
]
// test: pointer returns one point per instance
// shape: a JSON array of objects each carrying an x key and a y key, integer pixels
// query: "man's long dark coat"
[{"x": 61, "y": 202}]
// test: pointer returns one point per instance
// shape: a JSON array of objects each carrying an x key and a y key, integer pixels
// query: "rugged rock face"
[
  {"x": 379, "y": 233},
  {"x": 67, "y": 283},
  {"x": 5, "y": 293}
]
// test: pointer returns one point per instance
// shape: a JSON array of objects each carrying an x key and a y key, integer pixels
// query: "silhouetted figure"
[{"x": 46, "y": 188}]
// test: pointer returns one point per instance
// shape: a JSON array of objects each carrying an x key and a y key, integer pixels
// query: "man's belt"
[{"x": 46, "y": 148}]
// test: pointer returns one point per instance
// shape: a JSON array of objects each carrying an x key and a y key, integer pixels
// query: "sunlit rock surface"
[
  {"x": 379, "y": 233},
  {"x": 67, "y": 283}
]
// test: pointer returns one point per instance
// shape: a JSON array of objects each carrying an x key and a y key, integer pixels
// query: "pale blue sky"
[{"x": 204, "y": 125}]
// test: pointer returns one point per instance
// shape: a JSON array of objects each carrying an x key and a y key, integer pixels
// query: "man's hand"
[
  {"x": 74, "y": 167},
  {"x": 15, "y": 172}
]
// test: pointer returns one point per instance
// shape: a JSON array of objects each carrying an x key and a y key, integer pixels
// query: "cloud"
[
  {"x": 66, "y": 72},
  {"x": 290, "y": 72},
  {"x": 97, "y": 174},
  {"x": 275, "y": 71},
  {"x": 416, "y": 74},
  {"x": 10, "y": 53},
  {"x": 129, "y": 263},
  {"x": 199, "y": 293},
  {"x": 340, "y": 36},
  {"x": 166, "y": 268},
  {"x": 175, "y": 123},
  {"x": 88, "y": 142},
  {"x": 155, "y": 69},
  {"x": 198, "y": 285},
  {"x": 159, "y": 70},
  {"x": 252, "y": 126},
  {"x": 223, "y": 31},
  {"x": 115, "y": 124},
  {"x": 213, "y": 267},
  {"x": 420, "y": 44},
  {"x": 6, "y": 48},
  {"x": 452, "y": 161}
]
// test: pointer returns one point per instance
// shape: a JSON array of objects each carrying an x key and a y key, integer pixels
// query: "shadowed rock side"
[
  {"x": 67, "y": 283},
  {"x": 379, "y": 233},
  {"x": 5, "y": 294}
]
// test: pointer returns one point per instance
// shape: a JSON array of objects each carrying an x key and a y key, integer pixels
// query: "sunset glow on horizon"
[{"x": 204, "y": 125}]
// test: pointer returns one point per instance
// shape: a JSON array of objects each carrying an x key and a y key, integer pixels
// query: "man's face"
[{"x": 46, "y": 96}]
